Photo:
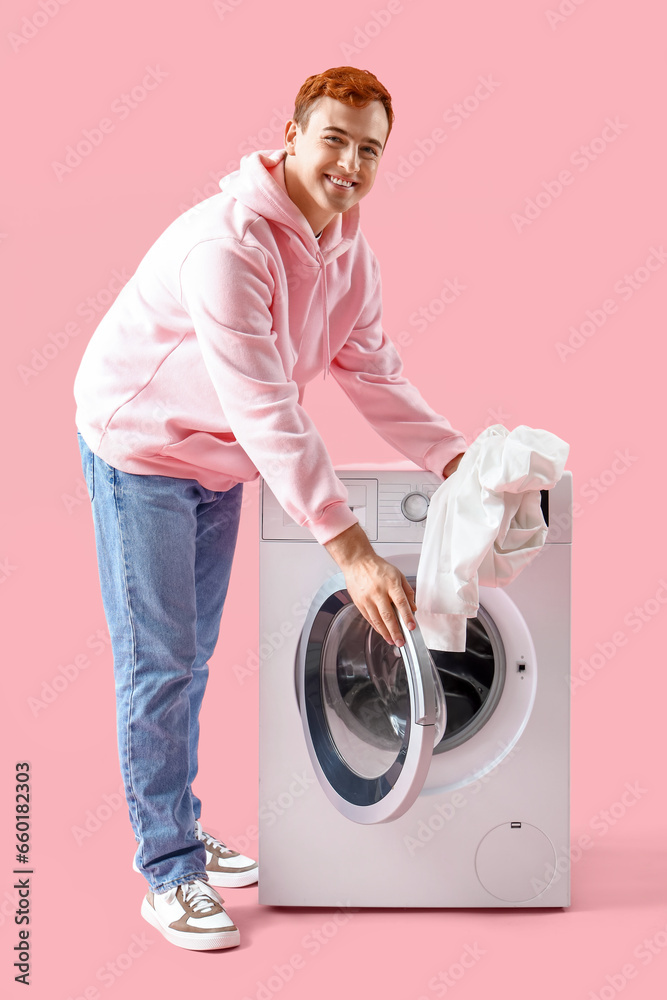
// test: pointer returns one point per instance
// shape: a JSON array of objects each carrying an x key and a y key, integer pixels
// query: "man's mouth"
[{"x": 340, "y": 182}]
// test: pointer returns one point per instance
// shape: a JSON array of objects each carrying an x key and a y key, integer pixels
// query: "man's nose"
[{"x": 349, "y": 158}]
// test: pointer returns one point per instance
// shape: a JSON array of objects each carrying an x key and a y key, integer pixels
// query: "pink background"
[{"x": 226, "y": 75}]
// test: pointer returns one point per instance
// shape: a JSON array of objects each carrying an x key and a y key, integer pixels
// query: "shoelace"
[
  {"x": 196, "y": 896},
  {"x": 208, "y": 839}
]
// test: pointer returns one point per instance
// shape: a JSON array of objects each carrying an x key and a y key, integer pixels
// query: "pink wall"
[{"x": 526, "y": 169}]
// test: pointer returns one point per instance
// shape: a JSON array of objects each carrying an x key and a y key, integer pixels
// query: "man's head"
[
  {"x": 354, "y": 87},
  {"x": 334, "y": 142}
]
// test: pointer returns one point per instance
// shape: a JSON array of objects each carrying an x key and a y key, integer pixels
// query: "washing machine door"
[{"x": 372, "y": 712}]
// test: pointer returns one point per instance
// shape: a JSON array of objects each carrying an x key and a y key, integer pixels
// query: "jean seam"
[
  {"x": 92, "y": 477},
  {"x": 117, "y": 493}
]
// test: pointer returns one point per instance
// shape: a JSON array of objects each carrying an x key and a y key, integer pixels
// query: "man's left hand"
[{"x": 453, "y": 465}]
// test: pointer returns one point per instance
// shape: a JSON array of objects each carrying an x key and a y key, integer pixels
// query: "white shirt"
[{"x": 484, "y": 524}]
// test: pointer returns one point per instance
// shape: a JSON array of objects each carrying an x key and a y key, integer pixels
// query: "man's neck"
[{"x": 308, "y": 208}]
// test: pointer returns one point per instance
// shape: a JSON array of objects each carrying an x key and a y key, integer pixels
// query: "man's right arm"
[{"x": 227, "y": 290}]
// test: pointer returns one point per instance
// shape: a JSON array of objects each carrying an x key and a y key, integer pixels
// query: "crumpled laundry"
[{"x": 484, "y": 524}]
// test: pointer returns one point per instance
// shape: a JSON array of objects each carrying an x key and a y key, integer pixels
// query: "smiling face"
[{"x": 332, "y": 165}]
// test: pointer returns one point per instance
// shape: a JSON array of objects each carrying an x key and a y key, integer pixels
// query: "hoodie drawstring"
[{"x": 326, "y": 349}]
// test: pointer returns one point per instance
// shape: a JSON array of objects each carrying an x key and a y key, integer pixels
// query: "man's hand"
[
  {"x": 453, "y": 465},
  {"x": 373, "y": 584}
]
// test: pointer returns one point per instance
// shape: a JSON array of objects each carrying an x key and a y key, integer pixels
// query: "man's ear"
[{"x": 290, "y": 136}]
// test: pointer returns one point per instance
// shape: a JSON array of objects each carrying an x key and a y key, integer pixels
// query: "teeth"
[{"x": 339, "y": 182}]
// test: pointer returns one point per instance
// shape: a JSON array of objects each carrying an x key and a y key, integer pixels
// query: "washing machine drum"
[{"x": 374, "y": 714}]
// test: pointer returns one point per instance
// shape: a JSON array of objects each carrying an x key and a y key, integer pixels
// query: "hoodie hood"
[{"x": 259, "y": 184}]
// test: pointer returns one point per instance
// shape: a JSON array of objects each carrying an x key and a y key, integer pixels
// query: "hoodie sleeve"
[
  {"x": 227, "y": 289},
  {"x": 369, "y": 370}
]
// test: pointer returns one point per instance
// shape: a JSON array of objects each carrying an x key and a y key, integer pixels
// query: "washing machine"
[{"x": 411, "y": 777}]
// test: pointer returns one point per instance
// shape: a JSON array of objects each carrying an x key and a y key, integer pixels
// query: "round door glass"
[{"x": 366, "y": 695}]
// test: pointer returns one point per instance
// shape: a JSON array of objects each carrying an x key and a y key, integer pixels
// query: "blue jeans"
[{"x": 164, "y": 550}]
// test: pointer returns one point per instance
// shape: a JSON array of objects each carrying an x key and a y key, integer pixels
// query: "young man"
[{"x": 191, "y": 385}]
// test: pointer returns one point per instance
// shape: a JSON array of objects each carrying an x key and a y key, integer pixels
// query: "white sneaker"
[
  {"x": 224, "y": 866},
  {"x": 191, "y": 916}
]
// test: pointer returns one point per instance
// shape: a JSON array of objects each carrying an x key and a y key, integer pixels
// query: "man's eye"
[{"x": 336, "y": 137}]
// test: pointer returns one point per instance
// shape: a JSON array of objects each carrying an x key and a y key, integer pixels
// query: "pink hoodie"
[{"x": 198, "y": 368}]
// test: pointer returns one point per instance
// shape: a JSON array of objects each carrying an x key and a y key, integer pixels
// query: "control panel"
[{"x": 392, "y": 506}]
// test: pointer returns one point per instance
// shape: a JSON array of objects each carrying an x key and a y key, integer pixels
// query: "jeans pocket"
[{"x": 88, "y": 465}]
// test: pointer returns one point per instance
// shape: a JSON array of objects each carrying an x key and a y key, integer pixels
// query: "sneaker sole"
[
  {"x": 193, "y": 941},
  {"x": 231, "y": 880}
]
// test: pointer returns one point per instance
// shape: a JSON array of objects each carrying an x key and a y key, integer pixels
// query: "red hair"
[{"x": 356, "y": 87}]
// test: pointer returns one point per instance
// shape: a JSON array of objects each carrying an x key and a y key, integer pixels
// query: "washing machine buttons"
[{"x": 414, "y": 506}]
